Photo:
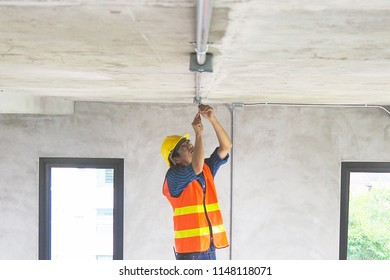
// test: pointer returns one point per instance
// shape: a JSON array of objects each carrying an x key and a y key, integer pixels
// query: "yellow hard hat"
[{"x": 169, "y": 144}]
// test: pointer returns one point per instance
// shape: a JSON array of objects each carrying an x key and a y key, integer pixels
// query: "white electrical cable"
[{"x": 315, "y": 105}]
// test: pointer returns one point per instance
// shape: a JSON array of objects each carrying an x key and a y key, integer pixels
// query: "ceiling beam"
[{"x": 22, "y": 104}]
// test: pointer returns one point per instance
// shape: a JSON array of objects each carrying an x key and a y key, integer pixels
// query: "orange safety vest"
[{"x": 194, "y": 214}]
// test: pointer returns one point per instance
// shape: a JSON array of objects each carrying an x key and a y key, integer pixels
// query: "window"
[
  {"x": 109, "y": 176},
  {"x": 80, "y": 208},
  {"x": 365, "y": 211}
]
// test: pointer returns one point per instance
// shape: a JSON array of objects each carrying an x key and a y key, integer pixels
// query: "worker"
[{"x": 190, "y": 189}]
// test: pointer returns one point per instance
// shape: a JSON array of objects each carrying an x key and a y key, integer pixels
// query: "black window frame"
[
  {"x": 45, "y": 165},
  {"x": 346, "y": 169}
]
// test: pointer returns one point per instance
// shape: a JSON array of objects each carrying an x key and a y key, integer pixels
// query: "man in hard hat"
[{"x": 189, "y": 187}]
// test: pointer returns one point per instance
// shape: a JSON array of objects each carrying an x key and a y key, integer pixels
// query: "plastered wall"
[{"x": 286, "y": 175}]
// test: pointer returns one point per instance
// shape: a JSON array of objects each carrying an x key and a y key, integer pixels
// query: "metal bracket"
[
  {"x": 206, "y": 67},
  {"x": 237, "y": 105},
  {"x": 197, "y": 100}
]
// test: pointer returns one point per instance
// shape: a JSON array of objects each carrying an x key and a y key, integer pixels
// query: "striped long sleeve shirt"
[{"x": 180, "y": 176}]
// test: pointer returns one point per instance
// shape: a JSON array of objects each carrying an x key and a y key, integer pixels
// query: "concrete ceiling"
[{"x": 264, "y": 51}]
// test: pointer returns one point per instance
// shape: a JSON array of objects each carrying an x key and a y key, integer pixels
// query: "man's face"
[{"x": 185, "y": 152}]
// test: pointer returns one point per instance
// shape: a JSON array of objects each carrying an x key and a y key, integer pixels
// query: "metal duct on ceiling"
[
  {"x": 204, "y": 10},
  {"x": 198, "y": 64}
]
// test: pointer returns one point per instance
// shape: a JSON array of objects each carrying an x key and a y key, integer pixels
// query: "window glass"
[{"x": 369, "y": 216}]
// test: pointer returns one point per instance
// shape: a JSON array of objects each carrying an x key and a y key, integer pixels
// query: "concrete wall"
[
  {"x": 287, "y": 176},
  {"x": 286, "y": 179}
]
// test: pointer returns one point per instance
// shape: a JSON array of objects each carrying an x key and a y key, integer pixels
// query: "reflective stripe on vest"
[
  {"x": 198, "y": 231},
  {"x": 195, "y": 209}
]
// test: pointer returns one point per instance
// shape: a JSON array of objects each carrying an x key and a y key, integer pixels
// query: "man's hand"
[
  {"x": 206, "y": 111},
  {"x": 197, "y": 124}
]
